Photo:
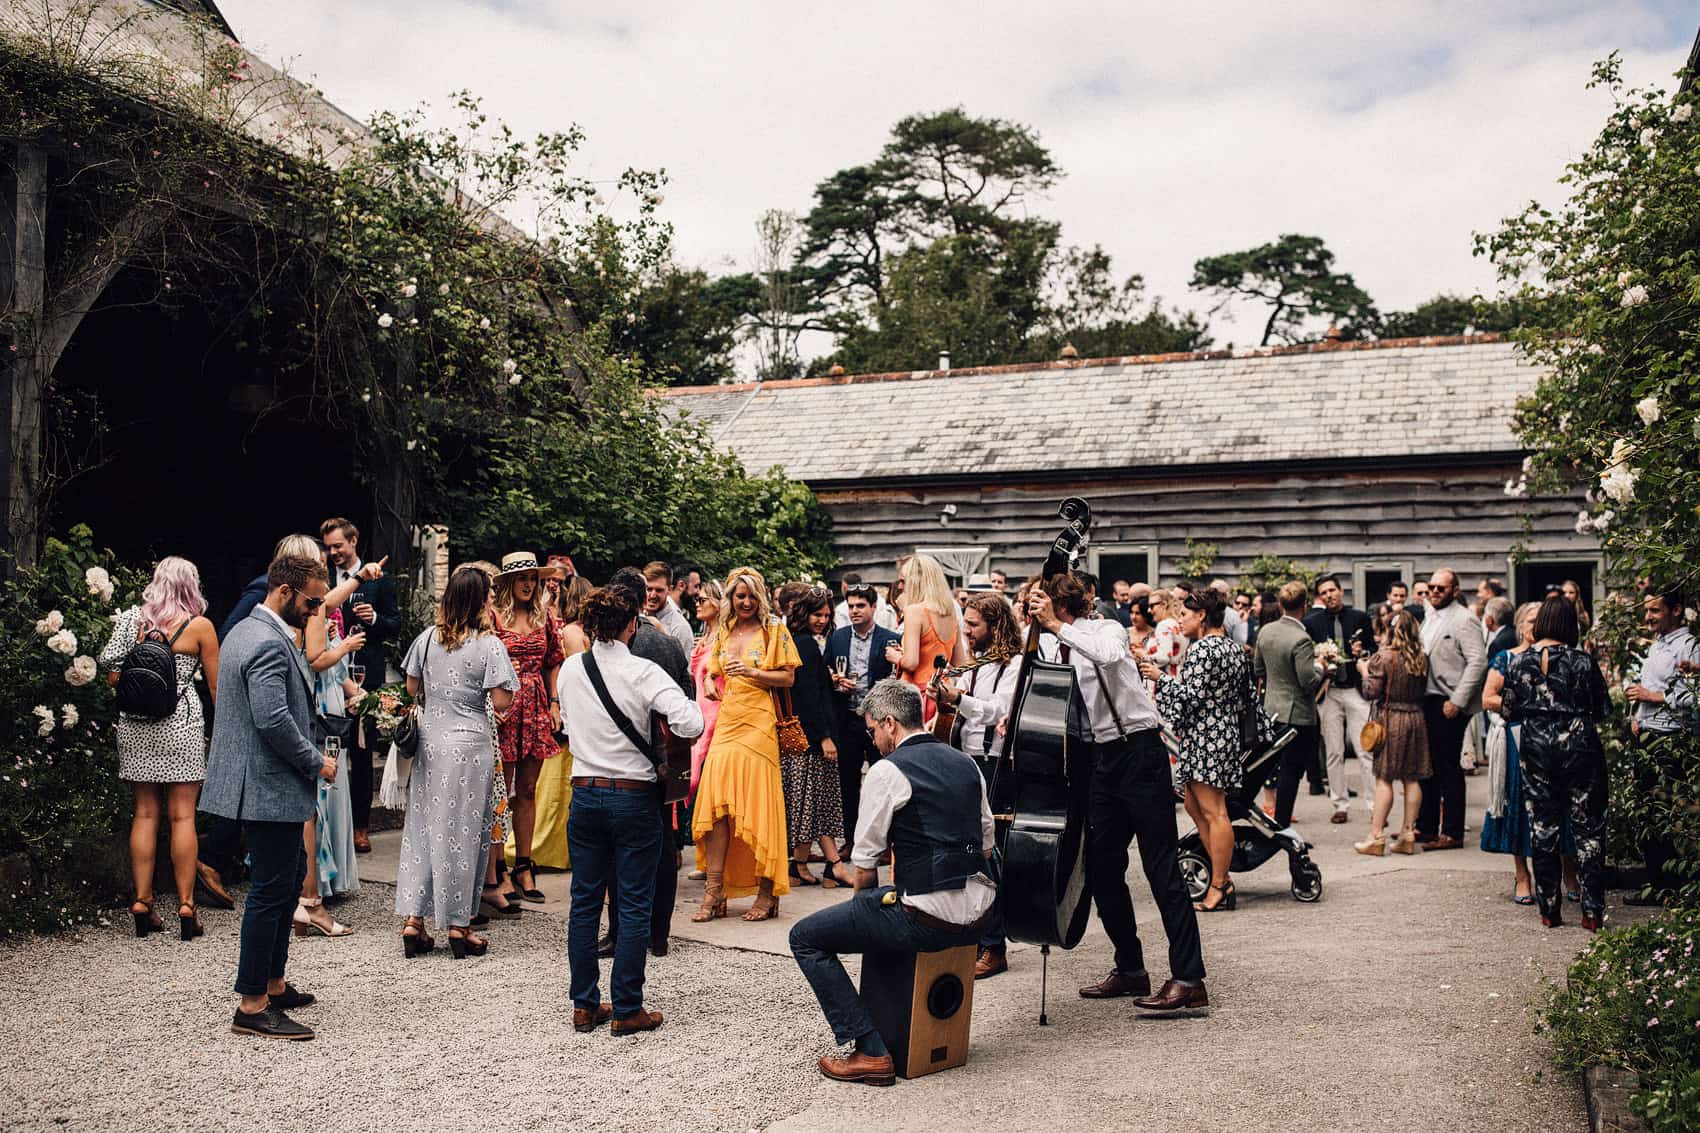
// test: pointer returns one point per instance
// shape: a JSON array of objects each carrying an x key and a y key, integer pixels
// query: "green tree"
[
  {"x": 1295, "y": 276},
  {"x": 1454, "y": 314}
]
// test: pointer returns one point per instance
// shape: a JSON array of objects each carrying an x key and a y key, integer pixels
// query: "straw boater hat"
[{"x": 524, "y": 562}]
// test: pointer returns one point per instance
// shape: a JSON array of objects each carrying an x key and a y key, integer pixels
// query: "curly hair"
[
  {"x": 606, "y": 613},
  {"x": 803, "y": 607},
  {"x": 1005, "y": 641},
  {"x": 751, "y": 578}
]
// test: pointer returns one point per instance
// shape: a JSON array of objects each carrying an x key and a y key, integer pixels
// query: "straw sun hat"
[{"x": 525, "y": 562}]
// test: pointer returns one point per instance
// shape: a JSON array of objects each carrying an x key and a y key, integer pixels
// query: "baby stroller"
[{"x": 1256, "y": 837}]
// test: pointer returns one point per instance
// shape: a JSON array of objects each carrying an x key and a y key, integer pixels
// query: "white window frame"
[
  {"x": 1362, "y": 567},
  {"x": 1597, "y": 558},
  {"x": 951, "y": 553},
  {"x": 1153, "y": 561}
]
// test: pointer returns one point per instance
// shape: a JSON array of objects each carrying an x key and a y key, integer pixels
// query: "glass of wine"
[
  {"x": 357, "y": 674},
  {"x": 840, "y": 664},
  {"x": 333, "y": 747}
]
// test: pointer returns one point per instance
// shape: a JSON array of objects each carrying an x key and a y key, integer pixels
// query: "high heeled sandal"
[
  {"x": 827, "y": 880},
  {"x": 146, "y": 920},
  {"x": 1372, "y": 847},
  {"x": 418, "y": 942},
  {"x": 189, "y": 927},
  {"x": 505, "y": 908},
  {"x": 1226, "y": 904},
  {"x": 713, "y": 903},
  {"x": 305, "y": 925},
  {"x": 757, "y": 913},
  {"x": 1406, "y": 843},
  {"x": 465, "y": 944},
  {"x": 524, "y": 893},
  {"x": 801, "y": 875}
]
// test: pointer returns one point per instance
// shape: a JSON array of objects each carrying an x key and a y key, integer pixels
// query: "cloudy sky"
[{"x": 1392, "y": 130}]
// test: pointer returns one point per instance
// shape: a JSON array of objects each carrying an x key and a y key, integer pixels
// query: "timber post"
[{"x": 23, "y": 370}]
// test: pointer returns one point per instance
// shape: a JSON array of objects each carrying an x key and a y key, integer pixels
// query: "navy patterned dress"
[{"x": 1202, "y": 704}]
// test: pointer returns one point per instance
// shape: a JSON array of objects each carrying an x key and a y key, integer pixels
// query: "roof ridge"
[{"x": 1323, "y": 347}]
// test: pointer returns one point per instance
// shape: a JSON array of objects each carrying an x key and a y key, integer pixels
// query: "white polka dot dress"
[{"x": 172, "y": 750}]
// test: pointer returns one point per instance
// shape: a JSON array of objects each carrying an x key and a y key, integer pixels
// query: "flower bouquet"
[
  {"x": 1329, "y": 657},
  {"x": 384, "y": 709}
]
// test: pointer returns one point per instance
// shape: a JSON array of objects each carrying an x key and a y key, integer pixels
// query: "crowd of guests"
[{"x": 534, "y": 693}]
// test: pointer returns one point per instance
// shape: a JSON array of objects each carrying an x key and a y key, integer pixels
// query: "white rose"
[
  {"x": 80, "y": 672},
  {"x": 45, "y": 728},
  {"x": 1619, "y": 484},
  {"x": 484, "y": 323},
  {"x": 1637, "y": 211},
  {"x": 509, "y": 366},
  {"x": 1682, "y": 113},
  {"x": 1648, "y": 409},
  {"x": 515, "y": 380},
  {"x": 1649, "y": 137},
  {"x": 1584, "y": 523},
  {"x": 99, "y": 583},
  {"x": 442, "y": 289},
  {"x": 1603, "y": 520},
  {"x": 385, "y": 320},
  {"x": 1623, "y": 278},
  {"x": 52, "y": 623},
  {"x": 63, "y": 642},
  {"x": 1633, "y": 296},
  {"x": 408, "y": 291},
  {"x": 68, "y": 716}
]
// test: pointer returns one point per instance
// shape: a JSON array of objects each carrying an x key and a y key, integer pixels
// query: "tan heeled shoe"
[
  {"x": 1406, "y": 843},
  {"x": 1371, "y": 847},
  {"x": 759, "y": 913},
  {"x": 713, "y": 900}
]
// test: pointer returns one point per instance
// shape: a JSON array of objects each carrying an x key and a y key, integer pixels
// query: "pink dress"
[{"x": 710, "y": 708}]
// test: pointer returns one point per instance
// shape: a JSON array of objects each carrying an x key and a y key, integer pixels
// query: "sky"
[{"x": 1392, "y": 130}]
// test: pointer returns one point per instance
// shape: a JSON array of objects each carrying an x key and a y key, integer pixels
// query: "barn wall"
[{"x": 1454, "y": 517}]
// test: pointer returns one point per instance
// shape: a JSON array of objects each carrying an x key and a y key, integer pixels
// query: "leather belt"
[
  {"x": 616, "y": 784},
  {"x": 927, "y": 920}
]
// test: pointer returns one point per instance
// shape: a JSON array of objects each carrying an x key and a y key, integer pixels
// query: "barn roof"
[{"x": 1411, "y": 400}]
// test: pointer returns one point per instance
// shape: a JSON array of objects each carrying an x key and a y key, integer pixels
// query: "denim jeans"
[
  {"x": 858, "y": 925},
  {"x": 666, "y": 885},
  {"x": 614, "y": 838},
  {"x": 277, "y": 866}
]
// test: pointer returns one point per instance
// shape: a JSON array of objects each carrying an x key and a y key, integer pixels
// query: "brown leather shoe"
[
  {"x": 1339, "y": 818},
  {"x": 585, "y": 1020},
  {"x": 989, "y": 964},
  {"x": 644, "y": 1020},
  {"x": 213, "y": 886},
  {"x": 362, "y": 842},
  {"x": 1443, "y": 842},
  {"x": 1174, "y": 996},
  {"x": 859, "y": 1067},
  {"x": 1117, "y": 984}
]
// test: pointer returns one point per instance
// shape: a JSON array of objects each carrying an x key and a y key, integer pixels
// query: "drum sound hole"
[{"x": 944, "y": 998}]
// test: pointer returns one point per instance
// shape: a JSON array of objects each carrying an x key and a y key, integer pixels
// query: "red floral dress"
[{"x": 527, "y": 732}]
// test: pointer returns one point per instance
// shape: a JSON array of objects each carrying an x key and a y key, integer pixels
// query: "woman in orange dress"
[
  {"x": 739, "y": 818},
  {"x": 931, "y": 627}
]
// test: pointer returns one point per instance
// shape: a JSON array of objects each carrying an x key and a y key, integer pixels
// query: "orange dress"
[
  {"x": 932, "y": 647},
  {"x": 740, "y": 774}
]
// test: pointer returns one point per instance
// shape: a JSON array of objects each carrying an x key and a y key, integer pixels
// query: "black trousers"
[
  {"x": 666, "y": 884},
  {"x": 360, "y": 774},
  {"x": 1443, "y": 795},
  {"x": 855, "y": 750},
  {"x": 1132, "y": 797},
  {"x": 221, "y": 846},
  {"x": 1653, "y": 774},
  {"x": 1298, "y": 761}
]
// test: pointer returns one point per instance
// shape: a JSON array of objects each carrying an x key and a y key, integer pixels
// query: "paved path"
[{"x": 1401, "y": 1000}]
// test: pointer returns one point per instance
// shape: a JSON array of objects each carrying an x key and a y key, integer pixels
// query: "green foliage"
[
  {"x": 1615, "y": 272},
  {"x": 59, "y": 787},
  {"x": 1632, "y": 1000},
  {"x": 1295, "y": 276},
  {"x": 1198, "y": 561},
  {"x": 1271, "y": 572},
  {"x": 1453, "y": 314}
]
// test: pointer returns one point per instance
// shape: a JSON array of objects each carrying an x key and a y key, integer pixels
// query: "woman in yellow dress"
[
  {"x": 555, "y": 782},
  {"x": 739, "y": 820}
]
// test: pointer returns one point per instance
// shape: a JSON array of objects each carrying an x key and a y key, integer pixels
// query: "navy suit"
[
  {"x": 855, "y": 747},
  {"x": 386, "y": 613}
]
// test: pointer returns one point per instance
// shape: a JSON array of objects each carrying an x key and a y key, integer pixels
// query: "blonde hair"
[
  {"x": 305, "y": 546},
  {"x": 1405, "y": 639},
  {"x": 750, "y": 577},
  {"x": 1526, "y": 614},
  {"x": 538, "y": 609},
  {"x": 924, "y": 583},
  {"x": 712, "y": 592}
]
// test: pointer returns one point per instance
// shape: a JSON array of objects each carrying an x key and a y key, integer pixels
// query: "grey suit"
[
  {"x": 1285, "y": 658},
  {"x": 262, "y": 770},
  {"x": 262, "y": 765},
  {"x": 1457, "y": 656}
]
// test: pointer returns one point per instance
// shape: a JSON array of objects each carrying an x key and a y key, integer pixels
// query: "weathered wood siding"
[{"x": 1453, "y": 517}]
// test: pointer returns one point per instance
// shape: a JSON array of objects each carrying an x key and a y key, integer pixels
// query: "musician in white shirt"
[
  {"x": 612, "y": 834},
  {"x": 1132, "y": 795}
]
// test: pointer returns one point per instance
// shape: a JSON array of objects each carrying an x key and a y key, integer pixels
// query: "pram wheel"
[
  {"x": 1307, "y": 882},
  {"x": 1195, "y": 871}
]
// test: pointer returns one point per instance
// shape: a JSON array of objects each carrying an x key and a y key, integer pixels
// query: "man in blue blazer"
[
  {"x": 263, "y": 771},
  {"x": 862, "y": 644}
]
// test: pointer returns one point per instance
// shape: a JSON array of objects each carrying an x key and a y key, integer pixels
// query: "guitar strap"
[{"x": 621, "y": 720}]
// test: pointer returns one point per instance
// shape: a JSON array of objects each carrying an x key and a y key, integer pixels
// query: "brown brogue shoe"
[
  {"x": 859, "y": 1067},
  {"x": 1117, "y": 984},
  {"x": 586, "y": 1020},
  {"x": 989, "y": 964},
  {"x": 1175, "y": 996},
  {"x": 644, "y": 1020},
  {"x": 1444, "y": 842},
  {"x": 212, "y": 885}
]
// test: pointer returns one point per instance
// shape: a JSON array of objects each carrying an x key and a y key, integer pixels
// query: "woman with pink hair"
[{"x": 165, "y": 758}]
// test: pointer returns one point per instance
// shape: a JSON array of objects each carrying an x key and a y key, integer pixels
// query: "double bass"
[{"x": 1040, "y": 786}]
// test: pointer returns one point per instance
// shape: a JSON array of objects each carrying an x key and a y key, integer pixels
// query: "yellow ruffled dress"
[
  {"x": 740, "y": 775},
  {"x": 554, "y": 801}
]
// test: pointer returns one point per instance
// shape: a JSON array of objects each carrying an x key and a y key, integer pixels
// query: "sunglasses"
[{"x": 314, "y": 603}]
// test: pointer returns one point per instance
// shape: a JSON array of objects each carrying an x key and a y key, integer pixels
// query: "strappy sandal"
[
  {"x": 497, "y": 902},
  {"x": 1226, "y": 904},
  {"x": 462, "y": 943},
  {"x": 306, "y": 926},
  {"x": 189, "y": 927},
  {"x": 801, "y": 875},
  {"x": 757, "y": 913},
  {"x": 147, "y": 920},
  {"x": 524, "y": 892},
  {"x": 827, "y": 880},
  {"x": 713, "y": 902},
  {"x": 415, "y": 941}
]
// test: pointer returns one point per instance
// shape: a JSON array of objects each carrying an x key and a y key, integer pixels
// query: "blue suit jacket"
[
  {"x": 838, "y": 645},
  {"x": 262, "y": 764}
]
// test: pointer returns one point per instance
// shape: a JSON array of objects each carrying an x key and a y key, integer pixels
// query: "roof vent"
[
  {"x": 837, "y": 371},
  {"x": 944, "y": 359}
]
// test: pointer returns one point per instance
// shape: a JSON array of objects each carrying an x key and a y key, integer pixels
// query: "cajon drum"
[{"x": 921, "y": 1003}]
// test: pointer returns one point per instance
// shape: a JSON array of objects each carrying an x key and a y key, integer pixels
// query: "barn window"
[
  {"x": 1372, "y": 577},
  {"x": 1136, "y": 562},
  {"x": 1540, "y": 571}
]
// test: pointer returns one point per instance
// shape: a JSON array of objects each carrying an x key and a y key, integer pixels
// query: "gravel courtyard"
[{"x": 1402, "y": 999}]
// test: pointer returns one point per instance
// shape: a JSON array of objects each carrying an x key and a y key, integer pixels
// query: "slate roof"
[{"x": 1408, "y": 399}]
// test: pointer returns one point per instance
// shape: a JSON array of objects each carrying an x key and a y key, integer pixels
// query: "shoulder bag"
[
  {"x": 407, "y": 728},
  {"x": 1374, "y": 733},
  {"x": 793, "y": 740},
  {"x": 645, "y": 746}
]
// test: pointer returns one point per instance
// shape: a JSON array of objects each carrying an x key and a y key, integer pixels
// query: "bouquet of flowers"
[
  {"x": 1329, "y": 657},
  {"x": 385, "y": 708}
]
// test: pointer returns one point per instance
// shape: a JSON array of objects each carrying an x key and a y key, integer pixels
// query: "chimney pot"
[
  {"x": 944, "y": 359},
  {"x": 1069, "y": 352},
  {"x": 837, "y": 371}
]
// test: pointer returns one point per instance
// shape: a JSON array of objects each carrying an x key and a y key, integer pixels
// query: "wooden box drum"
[{"x": 921, "y": 1003}]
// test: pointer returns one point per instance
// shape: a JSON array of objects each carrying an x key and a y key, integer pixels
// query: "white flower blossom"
[
  {"x": 68, "y": 716},
  {"x": 600, "y": 200},
  {"x": 484, "y": 323},
  {"x": 1649, "y": 137},
  {"x": 1637, "y": 211},
  {"x": 1618, "y": 480},
  {"x": 367, "y": 396},
  {"x": 386, "y": 320},
  {"x": 1648, "y": 410},
  {"x": 442, "y": 289},
  {"x": 654, "y": 198},
  {"x": 427, "y": 257},
  {"x": 1633, "y": 296},
  {"x": 1623, "y": 278},
  {"x": 411, "y": 445},
  {"x": 1516, "y": 487},
  {"x": 1595, "y": 348},
  {"x": 45, "y": 715},
  {"x": 515, "y": 380},
  {"x": 52, "y": 623},
  {"x": 409, "y": 290},
  {"x": 1584, "y": 523},
  {"x": 80, "y": 672},
  {"x": 1682, "y": 113},
  {"x": 99, "y": 583},
  {"x": 1604, "y": 519},
  {"x": 509, "y": 366},
  {"x": 412, "y": 322},
  {"x": 63, "y": 642}
]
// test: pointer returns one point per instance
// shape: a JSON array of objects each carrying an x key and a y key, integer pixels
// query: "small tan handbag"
[
  {"x": 1374, "y": 733},
  {"x": 793, "y": 741}
]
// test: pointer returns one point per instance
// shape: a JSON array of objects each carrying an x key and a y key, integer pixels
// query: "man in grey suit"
[
  {"x": 262, "y": 771},
  {"x": 1457, "y": 668},
  {"x": 1285, "y": 658}
]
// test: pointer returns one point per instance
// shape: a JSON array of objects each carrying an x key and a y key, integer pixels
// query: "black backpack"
[{"x": 147, "y": 681}]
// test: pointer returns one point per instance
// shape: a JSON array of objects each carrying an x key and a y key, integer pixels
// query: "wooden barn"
[{"x": 1374, "y": 460}]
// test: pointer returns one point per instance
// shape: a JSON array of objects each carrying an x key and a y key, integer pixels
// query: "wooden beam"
[{"x": 26, "y": 233}]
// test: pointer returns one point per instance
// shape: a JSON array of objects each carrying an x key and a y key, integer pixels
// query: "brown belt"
[
  {"x": 927, "y": 920},
  {"x": 616, "y": 784}
]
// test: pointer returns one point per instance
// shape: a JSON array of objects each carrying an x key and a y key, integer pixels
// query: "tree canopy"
[{"x": 1295, "y": 276}]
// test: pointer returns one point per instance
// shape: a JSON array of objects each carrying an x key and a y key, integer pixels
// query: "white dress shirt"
[
  {"x": 988, "y": 693},
  {"x": 678, "y": 627},
  {"x": 885, "y": 791},
  {"x": 1659, "y": 673},
  {"x": 1095, "y": 646},
  {"x": 638, "y": 687}
]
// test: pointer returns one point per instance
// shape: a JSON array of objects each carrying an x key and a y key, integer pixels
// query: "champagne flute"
[
  {"x": 357, "y": 674},
  {"x": 333, "y": 748},
  {"x": 840, "y": 664}
]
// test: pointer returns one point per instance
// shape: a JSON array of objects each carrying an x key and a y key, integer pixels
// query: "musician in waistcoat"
[
  {"x": 925, "y": 801},
  {"x": 1132, "y": 796},
  {"x": 982, "y": 698}
]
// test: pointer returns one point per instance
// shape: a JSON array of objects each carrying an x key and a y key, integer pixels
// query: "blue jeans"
[
  {"x": 858, "y": 925},
  {"x": 613, "y": 837},
  {"x": 277, "y": 860}
]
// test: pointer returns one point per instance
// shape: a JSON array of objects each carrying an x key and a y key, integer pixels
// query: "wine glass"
[
  {"x": 357, "y": 674},
  {"x": 333, "y": 747},
  {"x": 840, "y": 664}
]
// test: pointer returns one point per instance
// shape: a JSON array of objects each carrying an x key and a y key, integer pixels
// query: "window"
[
  {"x": 1372, "y": 577},
  {"x": 959, "y": 562},
  {"x": 1136, "y": 562},
  {"x": 1544, "y": 570}
]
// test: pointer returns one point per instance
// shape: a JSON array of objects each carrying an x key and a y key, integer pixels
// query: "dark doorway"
[
  {"x": 1533, "y": 579},
  {"x": 1135, "y": 567},
  {"x": 1376, "y": 582}
]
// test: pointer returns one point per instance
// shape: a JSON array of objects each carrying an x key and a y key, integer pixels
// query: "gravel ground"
[{"x": 1401, "y": 1000}]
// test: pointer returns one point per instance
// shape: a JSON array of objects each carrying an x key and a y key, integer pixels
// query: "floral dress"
[
  {"x": 1203, "y": 704},
  {"x": 528, "y": 733}
]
